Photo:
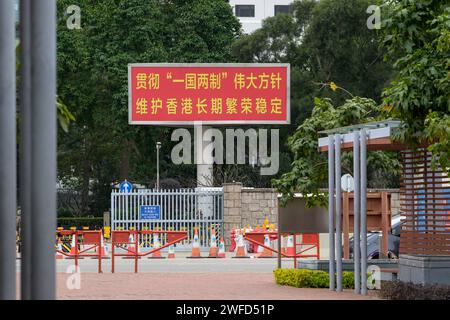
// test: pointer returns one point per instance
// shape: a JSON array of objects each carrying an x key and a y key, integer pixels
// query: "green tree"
[
  {"x": 309, "y": 172},
  {"x": 417, "y": 35},
  {"x": 101, "y": 147},
  {"x": 324, "y": 41}
]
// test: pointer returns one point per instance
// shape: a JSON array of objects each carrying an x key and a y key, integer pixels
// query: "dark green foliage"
[
  {"x": 397, "y": 290},
  {"x": 310, "y": 167},
  {"x": 417, "y": 35},
  {"x": 92, "y": 223},
  {"x": 101, "y": 148}
]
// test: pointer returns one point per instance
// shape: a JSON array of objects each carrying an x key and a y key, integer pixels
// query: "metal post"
[
  {"x": 279, "y": 241},
  {"x": 158, "y": 147},
  {"x": 25, "y": 150},
  {"x": 8, "y": 184},
  {"x": 331, "y": 210},
  {"x": 363, "y": 214},
  {"x": 356, "y": 207},
  {"x": 337, "y": 145},
  {"x": 43, "y": 129}
]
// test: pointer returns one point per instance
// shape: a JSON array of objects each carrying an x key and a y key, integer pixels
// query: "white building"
[{"x": 251, "y": 13}]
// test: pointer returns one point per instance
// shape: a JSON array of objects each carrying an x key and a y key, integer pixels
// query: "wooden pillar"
[{"x": 384, "y": 225}]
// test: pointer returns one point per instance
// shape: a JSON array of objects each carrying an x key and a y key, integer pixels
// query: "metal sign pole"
[
  {"x": 338, "y": 213},
  {"x": 25, "y": 150},
  {"x": 43, "y": 128},
  {"x": 8, "y": 184},
  {"x": 331, "y": 269},
  {"x": 356, "y": 207},
  {"x": 363, "y": 214}
]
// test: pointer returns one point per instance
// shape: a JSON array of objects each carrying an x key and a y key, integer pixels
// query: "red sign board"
[{"x": 183, "y": 94}]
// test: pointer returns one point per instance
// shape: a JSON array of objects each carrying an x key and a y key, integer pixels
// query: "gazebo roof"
[{"x": 379, "y": 136}]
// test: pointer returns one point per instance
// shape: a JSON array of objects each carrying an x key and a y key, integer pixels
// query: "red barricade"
[
  {"x": 90, "y": 238},
  {"x": 119, "y": 238},
  {"x": 310, "y": 240}
]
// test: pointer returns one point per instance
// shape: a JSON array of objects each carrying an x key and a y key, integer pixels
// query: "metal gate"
[{"x": 182, "y": 209}]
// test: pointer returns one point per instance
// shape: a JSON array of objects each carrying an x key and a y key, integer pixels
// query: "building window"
[
  {"x": 245, "y": 10},
  {"x": 282, "y": 9}
]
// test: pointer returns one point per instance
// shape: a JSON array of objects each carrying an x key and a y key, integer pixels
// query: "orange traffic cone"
[
  {"x": 131, "y": 248},
  {"x": 73, "y": 249},
  {"x": 195, "y": 246},
  {"x": 266, "y": 253},
  {"x": 59, "y": 255},
  {"x": 171, "y": 254},
  {"x": 221, "y": 253},
  {"x": 213, "y": 250},
  {"x": 156, "y": 245},
  {"x": 104, "y": 250},
  {"x": 283, "y": 248},
  {"x": 241, "y": 251},
  {"x": 290, "y": 250}
]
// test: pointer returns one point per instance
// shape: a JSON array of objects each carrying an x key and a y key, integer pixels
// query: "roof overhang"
[{"x": 379, "y": 136}]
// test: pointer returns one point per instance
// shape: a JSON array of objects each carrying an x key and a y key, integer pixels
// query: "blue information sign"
[{"x": 150, "y": 212}]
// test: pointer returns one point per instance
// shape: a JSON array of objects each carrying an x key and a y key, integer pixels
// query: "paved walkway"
[{"x": 196, "y": 286}]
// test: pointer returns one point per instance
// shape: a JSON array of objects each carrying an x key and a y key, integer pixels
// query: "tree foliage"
[
  {"x": 418, "y": 39},
  {"x": 309, "y": 169},
  {"x": 101, "y": 148},
  {"x": 324, "y": 41}
]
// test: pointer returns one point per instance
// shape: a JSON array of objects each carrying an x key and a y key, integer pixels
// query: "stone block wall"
[{"x": 247, "y": 206}]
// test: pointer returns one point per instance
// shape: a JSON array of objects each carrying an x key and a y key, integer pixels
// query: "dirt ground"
[{"x": 190, "y": 286}]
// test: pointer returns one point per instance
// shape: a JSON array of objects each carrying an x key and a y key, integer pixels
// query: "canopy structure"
[
  {"x": 379, "y": 136},
  {"x": 424, "y": 192}
]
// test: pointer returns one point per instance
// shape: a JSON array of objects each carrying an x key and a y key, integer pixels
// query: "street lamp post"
[{"x": 158, "y": 146}]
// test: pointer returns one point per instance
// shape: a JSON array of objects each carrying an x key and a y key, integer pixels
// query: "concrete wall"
[{"x": 250, "y": 206}]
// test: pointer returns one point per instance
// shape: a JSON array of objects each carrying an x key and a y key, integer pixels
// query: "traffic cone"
[
  {"x": 241, "y": 251},
  {"x": 290, "y": 250},
  {"x": 266, "y": 253},
  {"x": 171, "y": 254},
  {"x": 73, "y": 250},
  {"x": 195, "y": 246},
  {"x": 59, "y": 255},
  {"x": 283, "y": 248},
  {"x": 131, "y": 248},
  {"x": 213, "y": 246},
  {"x": 156, "y": 245},
  {"x": 221, "y": 253},
  {"x": 104, "y": 250}
]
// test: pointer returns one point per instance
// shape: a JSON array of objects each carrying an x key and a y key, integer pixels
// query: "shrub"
[
  {"x": 397, "y": 290},
  {"x": 92, "y": 223},
  {"x": 302, "y": 278}
]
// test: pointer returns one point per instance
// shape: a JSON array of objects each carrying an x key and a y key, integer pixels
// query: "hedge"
[
  {"x": 397, "y": 290},
  {"x": 92, "y": 223},
  {"x": 301, "y": 278}
]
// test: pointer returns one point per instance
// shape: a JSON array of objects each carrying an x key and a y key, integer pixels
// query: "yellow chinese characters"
[
  {"x": 147, "y": 81},
  {"x": 212, "y": 106},
  {"x": 261, "y": 81},
  {"x": 141, "y": 106},
  {"x": 204, "y": 81}
]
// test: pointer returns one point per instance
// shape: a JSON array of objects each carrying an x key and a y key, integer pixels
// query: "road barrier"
[
  {"x": 90, "y": 239},
  {"x": 121, "y": 238},
  {"x": 308, "y": 242}
]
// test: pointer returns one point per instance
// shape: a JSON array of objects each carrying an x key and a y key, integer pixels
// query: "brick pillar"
[{"x": 232, "y": 209}]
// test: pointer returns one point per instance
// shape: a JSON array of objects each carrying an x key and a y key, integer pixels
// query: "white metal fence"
[{"x": 177, "y": 210}]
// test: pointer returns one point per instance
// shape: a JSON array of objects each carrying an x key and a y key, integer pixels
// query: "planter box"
[{"x": 423, "y": 269}]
